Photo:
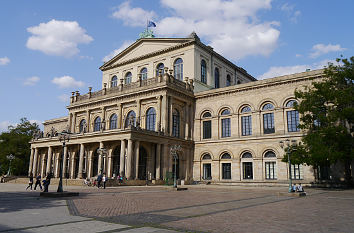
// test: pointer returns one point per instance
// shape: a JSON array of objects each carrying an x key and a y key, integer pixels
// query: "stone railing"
[{"x": 166, "y": 78}]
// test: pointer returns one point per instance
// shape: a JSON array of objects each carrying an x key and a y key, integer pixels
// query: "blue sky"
[{"x": 50, "y": 48}]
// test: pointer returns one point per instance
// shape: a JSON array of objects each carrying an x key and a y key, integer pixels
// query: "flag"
[{"x": 151, "y": 24}]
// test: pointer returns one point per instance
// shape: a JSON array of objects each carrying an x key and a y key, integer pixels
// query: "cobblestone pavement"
[{"x": 219, "y": 209}]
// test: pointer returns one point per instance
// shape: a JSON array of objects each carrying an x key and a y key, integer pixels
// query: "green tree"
[
  {"x": 15, "y": 141},
  {"x": 327, "y": 116}
]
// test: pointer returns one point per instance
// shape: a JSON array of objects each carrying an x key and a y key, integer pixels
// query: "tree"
[
  {"x": 15, "y": 141},
  {"x": 327, "y": 116}
]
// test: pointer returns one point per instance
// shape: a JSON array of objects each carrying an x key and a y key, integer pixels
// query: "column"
[
  {"x": 88, "y": 121},
  {"x": 30, "y": 168},
  {"x": 99, "y": 167},
  {"x": 109, "y": 166},
  {"x": 137, "y": 145},
  {"x": 165, "y": 160},
  {"x": 43, "y": 167},
  {"x": 56, "y": 175},
  {"x": 138, "y": 115},
  {"x": 170, "y": 121},
  {"x": 81, "y": 160},
  {"x": 122, "y": 158},
  {"x": 186, "y": 131},
  {"x": 72, "y": 166},
  {"x": 73, "y": 122},
  {"x": 159, "y": 99},
  {"x": 164, "y": 114},
  {"x": 89, "y": 172},
  {"x": 188, "y": 159},
  {"x": 158, "y": 161},
  {"x": 120, "y": 120},
  {"x": 151, "y": 162},
  {"x": 129, "y": 158},
  {"x": 35, "y": 161},
  {"x": 49, "y": 160},
  {"x": 65, "y": 155}
]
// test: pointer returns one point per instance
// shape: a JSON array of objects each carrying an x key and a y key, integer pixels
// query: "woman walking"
[{"x": 30, "y": 182}]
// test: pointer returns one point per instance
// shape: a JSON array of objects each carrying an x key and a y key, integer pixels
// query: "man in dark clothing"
[
  {"x": 99, "y": 180},
  {"x": 38, "y": 182},
  {"x": 47, "y": 182},
  {"x": 30, "y": 182}
]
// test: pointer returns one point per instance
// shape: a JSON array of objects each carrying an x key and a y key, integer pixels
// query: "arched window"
[
  {"x": 97, "y": 124},
  {"x": 130, "y": 119},
  {"x": 144, "y": 73},
  {"x": 292, "y": 117},
  {"x": 225, "y": 123},
  {"x": 114, "y": 81},
  {"x": 175, "y": 123},
  {"x": 226, "y": 156},
  {"x": 206, "y": 157},
  {"x": 246, "y": 121},
  {"x": 226, "y": 167},
  {"x": 128, "y": 78},
  {"x": 228, "y": 80},
  {"x": 270, "y": 165},
  {"x": 217, "y": 78},
  {"x": 83, "y": 126},
  {"x": 206, "y": 167},
  {"x": 268, "y": 119},
  {"x": 178, "y": 69},
  {"x": 206, "y": 125},
  {"x": 247, "y": 166},
  {"x": 203, "y": 77},
  {"x": 113, "y": 121},
  {"x": 159, "y": 67},
  {"x": 150, "y": 119}
]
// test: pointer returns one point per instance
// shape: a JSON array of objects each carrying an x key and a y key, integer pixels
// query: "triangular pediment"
[{"x": 143, "y": 47}]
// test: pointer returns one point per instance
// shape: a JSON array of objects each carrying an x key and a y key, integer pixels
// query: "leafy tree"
[
  {"x": 327, "y": 116},
  {"x": 15, "y": 141}
]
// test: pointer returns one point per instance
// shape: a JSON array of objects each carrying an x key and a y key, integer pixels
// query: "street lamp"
[
  {"x": 64, "y": 137},
  {"x": 288, "y": 151},
  {"x": 10, "y": 157},
  {"x": 103, "y": 153},
  {"x": 174, "y": 154}
]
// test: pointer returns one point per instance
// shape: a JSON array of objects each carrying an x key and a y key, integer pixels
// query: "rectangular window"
[
  {"x": 226, "y": 171},
  {"x": 270, "y": 171},
  {"x": 268, "y": 123},
  {"x": 246, "y": 125},
  {"x": 293, "y": 120},
  {"x": 247, "y": 170},
  {"x": 206, "y": 129},
  {"x": 206, "y": 171},
  {"x": 225, "y": 128},
  {"x": 296, "y": 172}
]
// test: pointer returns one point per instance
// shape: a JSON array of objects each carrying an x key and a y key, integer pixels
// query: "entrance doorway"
[
  {"x": 95, "y": 163},
  {"x": 142, "y": 164},
  {"x": 116, "y": 161},
  {"x": 207, "y": 171}
]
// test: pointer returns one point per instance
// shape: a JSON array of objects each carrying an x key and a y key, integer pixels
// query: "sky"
[{"x": 50, "y": 48}]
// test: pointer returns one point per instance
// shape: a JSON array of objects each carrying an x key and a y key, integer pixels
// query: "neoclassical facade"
[{"x": 161, "y": 92}]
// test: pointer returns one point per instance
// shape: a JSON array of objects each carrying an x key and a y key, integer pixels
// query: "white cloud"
[
  {"x": 298, "y": 55},
  {"x": 4, "y": 61},
  {"x": 31, "y": 81},
  {"x": 4, "y": 125},
  {"x": 132, "y": 16},
  {"x": 231, "y": 27},
  {"x": 36, "y": 121},
  {"x": 117, "y": 51},
  {"x": 56, "y": 37},
  {"x": 66, "y": 82},
  {"x": 320, "y": 49},
  {"x": 276, "y": 71},
  {"x": 290, "y": 11},
  {"x": 64, "y": 98}
]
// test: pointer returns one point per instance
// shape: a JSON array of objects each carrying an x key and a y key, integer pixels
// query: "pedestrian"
[
  {"x": 293, "y": 188},
  {"x": 47, "y": 182},
  {"x": 30, "y": 182},
  {"x": 104, "y": 180},
  {"x": 300, "y": 189},
  {"x": 38, "y": 182},
  {"x": 99, "y": 180}
]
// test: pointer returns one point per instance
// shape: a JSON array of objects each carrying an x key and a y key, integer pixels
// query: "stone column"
[
  {"x": 120, "y": 115},
  {"x": 49, "y": 160},
  {"x": 159, "y": 112},
  {"x": 99, "y": 167},
  {"x": 43, "y": 165},
  {"x": 158, "y": 161},
  {"x": 81, "y": 160},
  {"x": 88, "y": 121},
  {"x": 89, "y": 172},
  {"x": 35, "y": 161},
  {"x": 170, "y": 121},
  {"x": 137, "y": 145},
  {"x": 30, "y": 168},
  {"x": 65, "y": 155},
  {"x": 73, "y": 121},
  {"x": 165, "y": 160},
  {"x": 122, "y": 158},
  {"x": 186, "y": 130},
  {"x": 188, "y": 160},
  {"x": 138, "y": 114},
  {"x": 164, "y": 114},
  {"x": 109, "y": 165},
  {"x": 56, "y": 175},
  {"x": 129, "y": 159},
  {"x": 151, "y": 163},
  {"x": 72, "y": 165}
]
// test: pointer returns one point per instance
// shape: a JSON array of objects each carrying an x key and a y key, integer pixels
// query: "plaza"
[{"x": 202, "y": 208}]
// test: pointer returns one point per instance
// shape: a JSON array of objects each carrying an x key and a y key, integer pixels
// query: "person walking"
[
  {"x": 99, "y": 180},
  {"x": 104, "y": 180},
  {"x": 30, "y": 182},
  {"x": 47, "y": 182},
  {"x": 38, "y": 182}
]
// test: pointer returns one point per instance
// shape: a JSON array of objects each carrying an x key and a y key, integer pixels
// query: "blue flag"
[{"x": 151, "y": 24}]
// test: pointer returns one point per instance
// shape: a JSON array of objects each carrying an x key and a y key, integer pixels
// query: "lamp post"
[
  {"x": 64, "y": 137},
  {"x": 10, "y": 157},
  {"x": 174, "y": 154},
  {"x": 288, "y": 151},
  {"x": 103, "y": 153}
]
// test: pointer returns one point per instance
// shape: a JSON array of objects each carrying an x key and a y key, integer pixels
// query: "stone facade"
[{"x": 163, "y": 92}]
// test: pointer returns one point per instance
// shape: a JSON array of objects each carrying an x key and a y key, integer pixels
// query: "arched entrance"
[
  {"x": 142, "y": 164},
  {"x": 95, "y": 163},
  {"x": 175, "y": 165},
  {"x": 116, "y": 161}
]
